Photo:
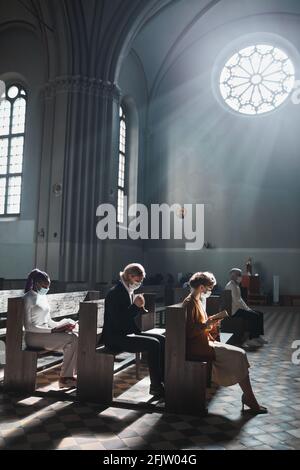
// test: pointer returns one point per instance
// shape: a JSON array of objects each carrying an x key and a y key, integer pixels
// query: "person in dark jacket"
[{"x": 120, "y": 331}]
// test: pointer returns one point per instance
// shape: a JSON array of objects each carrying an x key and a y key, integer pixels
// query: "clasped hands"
[{"x": 139, "y": 301}]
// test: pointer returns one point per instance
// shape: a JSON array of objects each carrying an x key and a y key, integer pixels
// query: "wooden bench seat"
[
  {"x": 21, "y": 364},
  {"x": 95, "y": 362}
]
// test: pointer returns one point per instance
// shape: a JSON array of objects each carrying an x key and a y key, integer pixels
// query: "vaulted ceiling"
[
  {"x": 180, "y": 23},
  {"x": 86, "y": 37}
]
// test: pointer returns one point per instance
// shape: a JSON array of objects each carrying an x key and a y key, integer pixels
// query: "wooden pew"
[
  {"x": 13, "y": 284},
  {"x": 180, "y": 293},
  {"x": 185, "y": 380},
  {"x": 69, "y": 286},
  {"x": 158, "y": 290},
  {"x": 96, "y": 363},
  {"x": 94, "y": 367},
  {"x": 21, "y": 364},
  {"x": 4, "y": 296}
]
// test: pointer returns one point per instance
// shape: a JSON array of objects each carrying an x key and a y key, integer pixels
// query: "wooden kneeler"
[
  {"x": 21, "y": 365},
  {"x": 95, "y": 367},
  {"x": 185, "y": 381}
]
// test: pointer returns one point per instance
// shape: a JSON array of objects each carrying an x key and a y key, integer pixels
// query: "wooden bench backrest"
[
  {"x": 14, "y": 284},
  {"x": 62, "y": 305},
  {"x": 185, "y": 381},
  {"x": 5, "y": 295},
  {"x": 100, "y": 310},
  {"x": 226, "y": 301},
  {"x": 158, "y": 291},
  {"x": 175, "y": 334},
  {"x": 180, "y": 293},
  {"x": 62, "y": 286}
]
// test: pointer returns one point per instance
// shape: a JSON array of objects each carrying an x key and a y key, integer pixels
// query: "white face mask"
[
  {"x": 239, "y": 279},
  {"x": 135, "y": 285},
  {"x": 43, "y": 291},
  {"x": 207, "y": 294}
]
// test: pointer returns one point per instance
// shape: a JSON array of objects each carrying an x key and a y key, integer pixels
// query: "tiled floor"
[{"x": 44, "y": 423}]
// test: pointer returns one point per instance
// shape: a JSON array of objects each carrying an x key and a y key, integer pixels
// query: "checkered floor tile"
[{"x": 50, "y": 423}]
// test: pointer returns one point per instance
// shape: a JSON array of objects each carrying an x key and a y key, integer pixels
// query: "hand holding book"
[{"x": 215, "y": 319}]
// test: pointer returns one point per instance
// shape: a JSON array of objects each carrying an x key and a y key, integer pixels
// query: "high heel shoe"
[{"x": 255, "y": 410}]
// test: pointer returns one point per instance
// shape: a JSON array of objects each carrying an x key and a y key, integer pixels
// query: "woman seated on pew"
[
  {"x": 229, "y": 363},
  {"x": 41, "y": 332}
]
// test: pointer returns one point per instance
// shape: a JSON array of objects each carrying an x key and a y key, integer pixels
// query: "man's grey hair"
[{"x": 135, "y": 269}]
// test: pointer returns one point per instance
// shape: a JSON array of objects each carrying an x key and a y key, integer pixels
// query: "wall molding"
[
  {"x": 85, "y": 85},
  {"x": 228, "y": 250}
]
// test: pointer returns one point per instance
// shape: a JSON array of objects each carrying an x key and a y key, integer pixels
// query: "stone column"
[{"x": 79, "y": 172}]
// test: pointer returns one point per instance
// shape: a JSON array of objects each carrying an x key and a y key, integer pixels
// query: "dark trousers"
[
  {"x": 153, "y": 345},
  {"x": 255, "y": 322}
]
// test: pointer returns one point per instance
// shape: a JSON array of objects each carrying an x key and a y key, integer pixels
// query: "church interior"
[{"x": 113, "y": 112}]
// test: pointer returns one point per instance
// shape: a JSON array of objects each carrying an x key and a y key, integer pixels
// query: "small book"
[{"x": 219, "y": 316}]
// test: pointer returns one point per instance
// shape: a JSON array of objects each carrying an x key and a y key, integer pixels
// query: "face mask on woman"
[
  {"x": 239, "y": 279},
  {"x": 207, "y": 294},
  {"x": 43, "y": 291}
]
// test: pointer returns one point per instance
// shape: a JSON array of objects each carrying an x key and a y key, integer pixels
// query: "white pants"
[{"x": 58, "y": 342}]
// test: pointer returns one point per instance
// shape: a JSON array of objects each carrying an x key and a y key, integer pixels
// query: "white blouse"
[
  {"x": 37, "y": 314},
  {"x": 237, "y": 300}
]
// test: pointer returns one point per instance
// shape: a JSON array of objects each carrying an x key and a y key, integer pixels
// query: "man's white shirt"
[
  {"x": 130, "y": 291},
  {"x": 237, "y": 301}
]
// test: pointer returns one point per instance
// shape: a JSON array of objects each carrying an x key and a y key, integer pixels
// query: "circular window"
[
  {"x": 257, "y": 79},
  {"x": 13, "y": 92}
]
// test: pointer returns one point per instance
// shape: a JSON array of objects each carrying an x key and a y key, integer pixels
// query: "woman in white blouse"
[{"x": 42, "y": 332}]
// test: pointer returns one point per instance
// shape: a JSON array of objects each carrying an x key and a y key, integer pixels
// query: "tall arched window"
[
  {"x": 122, "y": 165},
  {"x": 12, "y": 134}
]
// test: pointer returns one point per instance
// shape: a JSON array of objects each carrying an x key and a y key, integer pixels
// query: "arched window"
[
  {"x": 12, "y": 134},
  {"x": 122, "y": 165}
]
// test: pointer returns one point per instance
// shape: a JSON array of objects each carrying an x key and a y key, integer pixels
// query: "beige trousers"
[{"x": 58, "y": 342}]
